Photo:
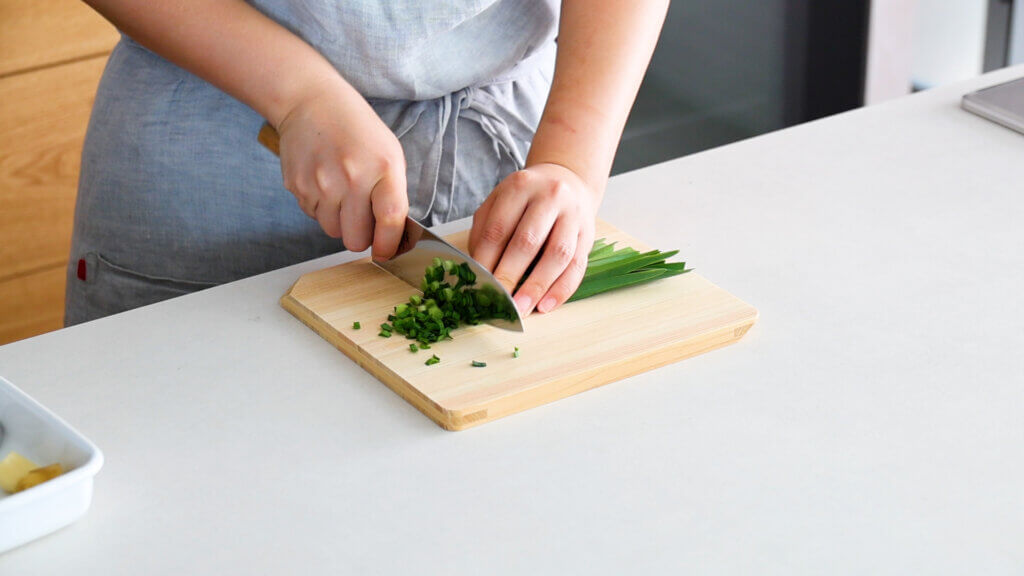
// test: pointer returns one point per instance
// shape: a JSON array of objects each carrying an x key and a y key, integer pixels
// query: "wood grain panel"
[
  {"x": 32, "y": 304},
  {"x": 45, "y": 113},
  {"x": 38, "y": 33},
  {"x": 581, "y": 345}
]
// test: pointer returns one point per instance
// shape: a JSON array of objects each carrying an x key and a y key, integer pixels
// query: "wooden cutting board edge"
[
  {"x": 599, "y": 376},
  {"x": 529, "y": 398},
  {"x": 364, "y": 360}
]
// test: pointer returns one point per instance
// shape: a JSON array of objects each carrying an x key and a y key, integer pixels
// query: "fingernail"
[
  {"x": 523, "y": 304},
  {"x": 546, "y": 305}
]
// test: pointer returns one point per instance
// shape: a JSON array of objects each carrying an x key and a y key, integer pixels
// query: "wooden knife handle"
[{"x": 270, "y": 139}]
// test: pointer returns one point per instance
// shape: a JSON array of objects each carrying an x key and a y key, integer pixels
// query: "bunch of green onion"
[{"x": 611, "y": 269}]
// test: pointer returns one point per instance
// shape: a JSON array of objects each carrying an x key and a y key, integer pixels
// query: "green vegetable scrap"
[
  {"x": 515, "y": 353},
  {"x": 413, "y": 348},
  {"x": 356, "y": 326},
  {"x": 432, "y": 360},
  {"x": 477, "y": 364}
]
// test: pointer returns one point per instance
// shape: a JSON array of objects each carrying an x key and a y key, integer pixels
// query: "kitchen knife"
[{"x": 417, "y": 250}]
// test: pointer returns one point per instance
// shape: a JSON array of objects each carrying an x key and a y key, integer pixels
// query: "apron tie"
[{"x": 432, "y": 127}]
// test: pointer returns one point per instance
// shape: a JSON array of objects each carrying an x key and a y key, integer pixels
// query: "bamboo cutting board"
[{"x": 579, "y": 346}]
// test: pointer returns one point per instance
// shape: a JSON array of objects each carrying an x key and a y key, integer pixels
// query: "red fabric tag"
[{"x": 81, "y": 269}]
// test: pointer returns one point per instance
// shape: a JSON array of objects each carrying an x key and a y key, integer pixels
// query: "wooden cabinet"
[
  {"x": 52, "y": 53},
  {"x": 40, "y": 33}
]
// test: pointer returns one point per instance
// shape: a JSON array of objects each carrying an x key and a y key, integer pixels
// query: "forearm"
[
  {"x": 604, "y": 47},
  {"x": 229, "y": 44}
]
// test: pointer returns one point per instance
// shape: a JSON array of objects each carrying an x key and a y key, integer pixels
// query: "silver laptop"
[{"x": 1002, "y": 103}]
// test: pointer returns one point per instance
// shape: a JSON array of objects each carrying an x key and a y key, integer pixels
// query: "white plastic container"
[{"x": 39, "y": 435}]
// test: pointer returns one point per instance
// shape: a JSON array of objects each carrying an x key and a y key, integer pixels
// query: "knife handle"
[{"x": 270, "y": 138}]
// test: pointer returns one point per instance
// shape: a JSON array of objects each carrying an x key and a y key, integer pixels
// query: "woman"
[{"x": 433, "y": 109}]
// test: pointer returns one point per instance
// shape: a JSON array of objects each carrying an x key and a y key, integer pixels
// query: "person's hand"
[
  {"x": 346, "y": 169},
  {"x": 543, "y": 208}
]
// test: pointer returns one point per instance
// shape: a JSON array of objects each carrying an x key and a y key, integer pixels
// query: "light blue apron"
[{"x": 176, "y": 195}]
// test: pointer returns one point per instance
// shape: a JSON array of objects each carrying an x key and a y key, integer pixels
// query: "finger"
[
  {"x": 390, "y": 207},
  {"x": 523, "y": 248},
  {"x": 291, "y": 176},
  {"x": 307, "y": 206},
  {"x": 571, "y": 277},
  {"x": 308, "y": 202},
  {"x": 356, "y": 220},
  {"x": 506, "y": 209},
  {"x": 410, "y": 237},
  {"x": 328, "y": 208},
  {"x": 479, "y": 218},
  {"x": 558, "y": 253},
  {"x": 328, "y": 214}
]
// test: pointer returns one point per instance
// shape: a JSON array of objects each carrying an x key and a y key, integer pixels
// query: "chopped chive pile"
[
  {"x": 443, "y": 307},
  {"x": 356, "y": 326},
  {"x": 477, "y": 364},
  {"x": 432, "y": 360}
]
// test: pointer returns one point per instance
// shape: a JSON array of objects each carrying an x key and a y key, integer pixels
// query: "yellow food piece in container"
[
  {"x": 38, "y": 476},
  {"x": 12, "y": 469}
]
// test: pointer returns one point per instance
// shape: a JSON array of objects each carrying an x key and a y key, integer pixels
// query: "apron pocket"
[{"x": 99, "y": 287}]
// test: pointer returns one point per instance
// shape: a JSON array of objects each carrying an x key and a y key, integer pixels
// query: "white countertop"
[{"x": 871, "y": 422}]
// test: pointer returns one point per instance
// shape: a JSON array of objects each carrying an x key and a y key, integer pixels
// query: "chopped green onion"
[
  {"x": 515, "y": 353},
  {"x": 477, "y": 364},
  {"x": 432, "y": 360},
  {"x": 356, "y": 326},
  {"x": 443, "y": 307},
  {"x": 413, "y": 348},
  {"x": 384, "y": 334}
]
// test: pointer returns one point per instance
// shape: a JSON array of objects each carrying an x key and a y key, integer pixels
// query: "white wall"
[
  {"x": 1017, "y": 33},
  {"x": 890, "y": 43},
  {"x": 949, "y": 41},
  {"x": 927, "y": 43}
]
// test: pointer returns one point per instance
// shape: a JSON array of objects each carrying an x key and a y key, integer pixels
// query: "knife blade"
[{"x": 417, "y": 250}]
